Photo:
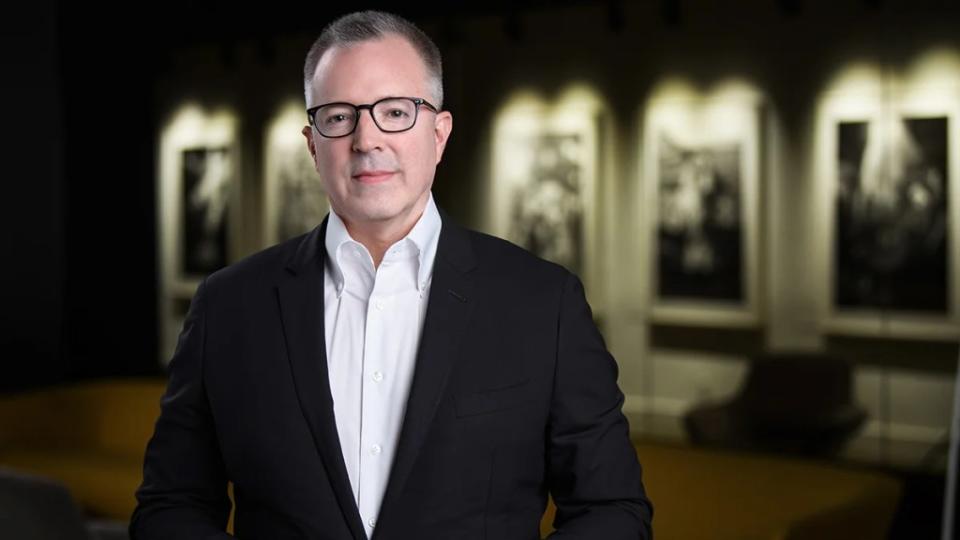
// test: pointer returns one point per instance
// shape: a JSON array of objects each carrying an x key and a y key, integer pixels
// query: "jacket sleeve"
[
  {"x": 183, "y": 494},
  {"x": 593, "y": 472}
]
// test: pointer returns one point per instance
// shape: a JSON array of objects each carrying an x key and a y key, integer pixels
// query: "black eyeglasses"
[{"x": 391, "y": 115}]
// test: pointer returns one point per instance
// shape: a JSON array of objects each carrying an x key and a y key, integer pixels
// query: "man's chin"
[
  {"x": 377, "y": 210},
  {"x": 374, "y": 214}
]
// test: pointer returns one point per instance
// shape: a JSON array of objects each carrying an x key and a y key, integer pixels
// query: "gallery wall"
[
  {"x": 624, "y": 64},
  {"x": 123, "y": 96},
  {"x": 794, "y": 62},
  {"x": 78, "y": 206}
]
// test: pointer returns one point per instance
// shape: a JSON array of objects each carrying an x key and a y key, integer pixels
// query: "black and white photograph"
[
  {"x": 699, "y": 229},
  {"x": 207, "y": 184},
  {"x": 547, "y": 216},
  {"x": 891, "y": 238},
  {"x": 702, "y": 155}
]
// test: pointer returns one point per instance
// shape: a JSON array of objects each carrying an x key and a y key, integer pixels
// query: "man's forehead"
[{"x": 390, "y": 51}]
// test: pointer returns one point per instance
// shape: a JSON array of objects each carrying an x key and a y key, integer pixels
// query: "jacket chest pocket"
[{"x": 494, "y": 399}]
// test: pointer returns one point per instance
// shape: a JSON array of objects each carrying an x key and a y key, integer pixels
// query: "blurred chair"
[
  {"x": 38, "y": 508},
  {"x": 108, "y": 529},
  {"x": 797, "y": 403}
]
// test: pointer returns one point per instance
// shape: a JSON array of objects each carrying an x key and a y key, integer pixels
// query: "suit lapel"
[
  {"x": 300, "y": 296},
  {"x": 450, "y": 305}
]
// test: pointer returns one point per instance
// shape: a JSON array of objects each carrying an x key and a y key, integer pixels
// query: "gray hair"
[{"x": 371, "y": 25}]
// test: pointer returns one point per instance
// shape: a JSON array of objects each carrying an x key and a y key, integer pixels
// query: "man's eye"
[
  {"x": 334, "y": 119},
  {"x": 396, "y": 113}
]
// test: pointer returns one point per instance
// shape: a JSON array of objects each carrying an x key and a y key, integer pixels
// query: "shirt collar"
[{"x": 423, "y": 238}]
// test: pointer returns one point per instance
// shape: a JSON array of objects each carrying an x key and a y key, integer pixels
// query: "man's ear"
[
  {"x": 442, "y": 127},
  {"x": 309, "y": 134}
]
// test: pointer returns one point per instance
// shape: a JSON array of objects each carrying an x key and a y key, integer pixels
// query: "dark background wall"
[
  {"x": 79, "y": 282},
  {"x": 32, "y": 205},
  {"x": 86, "y": 86}
]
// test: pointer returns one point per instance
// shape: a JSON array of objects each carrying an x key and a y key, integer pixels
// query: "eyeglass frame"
[{"x": 417, "y": 102}]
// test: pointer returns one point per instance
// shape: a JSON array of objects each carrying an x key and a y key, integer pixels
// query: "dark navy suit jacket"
[{"x": 514, "y": 396}]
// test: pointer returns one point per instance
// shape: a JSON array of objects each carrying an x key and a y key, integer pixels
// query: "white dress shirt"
[{"x": 373, "y": 318}]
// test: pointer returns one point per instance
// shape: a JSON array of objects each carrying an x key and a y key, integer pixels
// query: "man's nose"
[{"x": 366, "y": 136}]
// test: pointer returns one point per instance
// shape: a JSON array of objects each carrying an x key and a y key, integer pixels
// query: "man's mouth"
[{"x": 372, "y": 176}]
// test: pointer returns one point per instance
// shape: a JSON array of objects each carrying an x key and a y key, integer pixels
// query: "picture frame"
[
  {"x": 701, "y": 159},
  {"x": 545, "y": 185},
  {"x": 198, "y": 208},
  {"x": 889, "y": 204}
]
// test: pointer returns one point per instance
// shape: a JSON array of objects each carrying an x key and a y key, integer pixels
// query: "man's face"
[{"x": 374, "y": 177}]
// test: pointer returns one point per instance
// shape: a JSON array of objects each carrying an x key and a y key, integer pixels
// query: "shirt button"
[
  {"x": 372, "y": 522},
  {"x": 375, "y": 450},
  {"x": 379, "y": 306},
  {"x": 377, "y": 376}
]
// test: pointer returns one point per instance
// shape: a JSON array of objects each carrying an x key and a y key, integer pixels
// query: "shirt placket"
[{"x": 372, "y": 437}]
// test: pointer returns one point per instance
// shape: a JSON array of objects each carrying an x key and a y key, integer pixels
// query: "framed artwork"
[
  {"x": 890, "y": 239},
  {"x": 544, "y": 184},
  {"x": 888, "y": 165},
  {"x": 701, "y": 177},
  {"x": 294, "y": 199},
  {"x": 198, "y": 210}
]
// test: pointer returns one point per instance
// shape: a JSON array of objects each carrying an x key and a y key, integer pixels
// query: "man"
[{"x": 389, "y": 375}]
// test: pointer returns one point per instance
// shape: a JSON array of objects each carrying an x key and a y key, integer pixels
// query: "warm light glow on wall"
[
  {"x": 285, "y": 127},
  {"x": 858, "y": 80},
  {"x": 936, "y": 71},
  {"x": 675, "y": 88},
  {"x": 192, "y": 126}
]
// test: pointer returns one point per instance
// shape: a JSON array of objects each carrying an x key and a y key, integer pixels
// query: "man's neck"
[{"x": 378, "y": 236}]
